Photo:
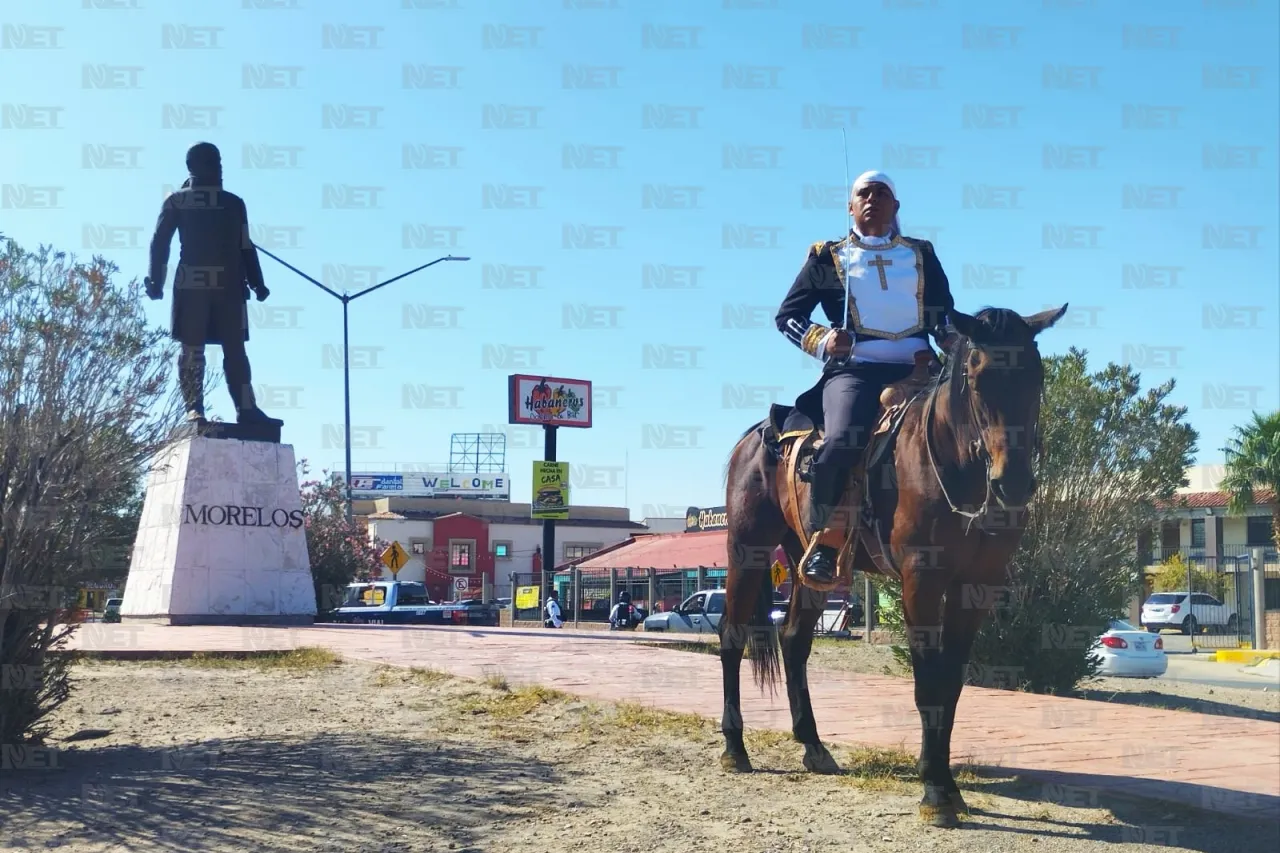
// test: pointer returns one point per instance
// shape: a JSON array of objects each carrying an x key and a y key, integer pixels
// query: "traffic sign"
[
  {"x": 460, "y": 584},
  {"x": 394, "y": 557},
  {"x": 779, "y": 572}
]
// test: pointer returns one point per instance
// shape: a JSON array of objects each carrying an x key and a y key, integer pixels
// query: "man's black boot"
[{"x": 824, "y": 492}]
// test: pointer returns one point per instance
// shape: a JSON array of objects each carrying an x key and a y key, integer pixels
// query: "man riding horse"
[{"x": 891, "y": 292}]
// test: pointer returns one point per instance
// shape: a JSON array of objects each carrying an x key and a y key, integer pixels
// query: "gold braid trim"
[{"x": 812, "y": 338}]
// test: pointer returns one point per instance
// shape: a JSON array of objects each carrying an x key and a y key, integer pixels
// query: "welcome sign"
[{"x": 495, "y": 486}]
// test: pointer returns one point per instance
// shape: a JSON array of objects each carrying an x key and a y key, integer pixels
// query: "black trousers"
[
  {"x": 850, "y": 404},
  {"x": 222, "y": 314}
]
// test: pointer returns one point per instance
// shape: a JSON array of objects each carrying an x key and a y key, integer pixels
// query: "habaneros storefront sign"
[
  {"x": 233, "y": 515},
  {"x": 548, "y": 401},
  {"x": 698, "y": 519}
]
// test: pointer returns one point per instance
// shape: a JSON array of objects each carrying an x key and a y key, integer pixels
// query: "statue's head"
[{"x": 204, "y": 159}]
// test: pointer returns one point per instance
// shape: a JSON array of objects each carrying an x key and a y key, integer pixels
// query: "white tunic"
[
  {"x": 553, "y": 613},
  {"x": 885, "y": 280}
]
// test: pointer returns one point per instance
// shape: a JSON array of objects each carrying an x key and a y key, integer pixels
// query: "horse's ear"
[
  {"x": 1045, "y": 319},
  {"x": 965, "y": 324}
]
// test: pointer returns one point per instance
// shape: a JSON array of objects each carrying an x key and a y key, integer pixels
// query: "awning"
[{"x": 665, "y": 551}]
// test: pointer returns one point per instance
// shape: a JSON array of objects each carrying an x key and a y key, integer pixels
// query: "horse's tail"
[{"x": 762, "y": 642}]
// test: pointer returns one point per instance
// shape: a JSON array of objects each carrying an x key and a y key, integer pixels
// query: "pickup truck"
[{"x": 407, "y": 603}]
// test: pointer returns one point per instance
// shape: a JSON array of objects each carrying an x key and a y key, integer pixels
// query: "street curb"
[
  {"x": 1245, "y": 656},
  {"x": 165, "y": 655}
]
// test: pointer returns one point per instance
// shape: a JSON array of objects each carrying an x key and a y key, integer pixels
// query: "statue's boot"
[
  {"x": 191, "y": 382},
  {"x": 239, "y": 382}
]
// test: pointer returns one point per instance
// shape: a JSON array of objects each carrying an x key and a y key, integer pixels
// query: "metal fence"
[{"x": 1225, "y": 593}]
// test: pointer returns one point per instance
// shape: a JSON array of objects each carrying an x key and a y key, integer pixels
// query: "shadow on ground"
[
  {"x": 1138, "y": 820},
  {"x": 1171, "y": 702},
  {"x": 328, "y": 793}
]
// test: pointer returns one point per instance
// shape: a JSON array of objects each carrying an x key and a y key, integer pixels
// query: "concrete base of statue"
[{"x": 221, "y": 540}]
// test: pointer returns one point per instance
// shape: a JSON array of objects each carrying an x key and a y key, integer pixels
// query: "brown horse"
[{"x": 968, "y": 438}]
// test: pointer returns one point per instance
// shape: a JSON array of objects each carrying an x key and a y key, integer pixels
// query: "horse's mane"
[{"x": 1000, "y": 322}]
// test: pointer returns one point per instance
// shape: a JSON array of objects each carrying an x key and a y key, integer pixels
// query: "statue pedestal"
[{"x": 221, "y": 540}]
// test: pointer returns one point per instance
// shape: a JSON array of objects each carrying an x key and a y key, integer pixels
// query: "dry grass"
[
  {"x": 391, "y": 676},
  {"x": 307, "y": 659},
  {"x": 509, "y": 704},
  {"x": 642, "y": 718},
  {"x": 497, "y": 681},
  {"x": 758, "y": 740}
]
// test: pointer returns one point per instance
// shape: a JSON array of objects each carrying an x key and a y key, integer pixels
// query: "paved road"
[{"x": 1202, "y": 669}]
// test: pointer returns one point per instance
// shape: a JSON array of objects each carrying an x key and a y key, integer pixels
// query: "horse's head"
[{"x": 1000, "y": 366}]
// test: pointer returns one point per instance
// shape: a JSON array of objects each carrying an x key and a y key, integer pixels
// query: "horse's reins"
[{"x": 979, "y": 444}]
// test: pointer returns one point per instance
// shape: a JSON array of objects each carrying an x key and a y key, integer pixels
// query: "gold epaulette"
[{"x": 817, "y": 247}]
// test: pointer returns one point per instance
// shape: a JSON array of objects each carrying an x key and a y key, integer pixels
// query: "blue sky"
[{"x": 1117, "y": 156}]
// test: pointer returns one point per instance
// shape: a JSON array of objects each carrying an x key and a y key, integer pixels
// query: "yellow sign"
[
  {"x": 779, "y": 573},
  {"x": 394, "y": 557},
  {"x": 550, "y": 490},
  {"x": 526, "y": 597}
]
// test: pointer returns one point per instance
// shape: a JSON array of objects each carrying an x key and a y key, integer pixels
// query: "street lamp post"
[{"x": 346, "y": 299}]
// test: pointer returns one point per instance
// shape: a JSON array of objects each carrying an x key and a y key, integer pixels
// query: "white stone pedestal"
[{"x": 221, "y": 540}]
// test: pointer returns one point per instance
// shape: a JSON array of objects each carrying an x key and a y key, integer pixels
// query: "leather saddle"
[{"x": 793, "y": 434}]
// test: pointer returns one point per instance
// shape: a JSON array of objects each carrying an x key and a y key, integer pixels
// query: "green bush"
[{"x": 1172, "y": 577}]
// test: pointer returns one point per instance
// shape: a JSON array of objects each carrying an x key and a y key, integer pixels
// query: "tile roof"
[
  {"x": 663, "y": 551},
  {"x": 1205, "y": 500}
]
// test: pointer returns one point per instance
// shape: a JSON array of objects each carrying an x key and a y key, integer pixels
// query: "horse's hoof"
[
  {"x": 958, "y": 803},
  {"x": 820, "y": 760},
  {"x": 735, "y": 762},
  {"x": 943, "y": 817}
]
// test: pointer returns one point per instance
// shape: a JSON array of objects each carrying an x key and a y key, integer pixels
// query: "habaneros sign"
[
  {"x": 548, "y": 401},
  {"x": 697, "y": 519},
  {"x": 232, "y": 515}
]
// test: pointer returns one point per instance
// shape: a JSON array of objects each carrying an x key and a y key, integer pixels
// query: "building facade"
[
  {"x": 482, "y": 541},
  {"x": 1196, "y": 525}
]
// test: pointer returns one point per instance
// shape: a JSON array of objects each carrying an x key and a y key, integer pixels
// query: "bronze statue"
[{"x": 217, "y": 268}]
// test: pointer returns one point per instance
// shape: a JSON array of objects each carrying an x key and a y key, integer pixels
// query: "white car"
[
  {"x": 700, "y": 613},
  {"x": 1174, "y": 610},
  {"x": 1129, "y": 652},
  {"x": 832, "y": 620}
]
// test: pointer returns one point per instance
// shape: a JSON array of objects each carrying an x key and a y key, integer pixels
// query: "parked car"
[
  {"x": 700, "y": 613},
  {"x": 407, "y": 603},
  {"x": 833, "y": 616},
  {"x": 1129, "y": 652},
  {"x": 111, "y": 610},
  {"x": 1188, "y": 613}
]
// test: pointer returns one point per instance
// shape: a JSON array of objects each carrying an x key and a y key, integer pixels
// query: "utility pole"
[{"x": 346, "y": 299}]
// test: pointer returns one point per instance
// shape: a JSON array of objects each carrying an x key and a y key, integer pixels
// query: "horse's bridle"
[{"x": 960, "y": 354}]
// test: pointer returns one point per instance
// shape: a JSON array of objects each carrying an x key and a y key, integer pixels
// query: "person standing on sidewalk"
[{"x": 552, "y": 612}]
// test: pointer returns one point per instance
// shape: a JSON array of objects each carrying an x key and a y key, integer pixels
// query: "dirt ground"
[{"x": 303, "y": 753}]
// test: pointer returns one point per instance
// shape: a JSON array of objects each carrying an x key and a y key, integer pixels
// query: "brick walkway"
[{"x": 1081, "y": 750}]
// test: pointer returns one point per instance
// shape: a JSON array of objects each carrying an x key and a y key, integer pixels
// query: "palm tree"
[{"x": 1253, "y": 462}]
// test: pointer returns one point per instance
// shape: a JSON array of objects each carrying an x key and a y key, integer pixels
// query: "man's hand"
[
  {"x": 154, "y": 291},
  {"x": 262, "y": 293},
  {"x": 839, "y": 345}
]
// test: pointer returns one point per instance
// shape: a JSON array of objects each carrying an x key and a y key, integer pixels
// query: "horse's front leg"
[
  {"x": 922, "y": 610},
  {"x": 963, "y": 620},
  {"x": 797, "y": 643}
]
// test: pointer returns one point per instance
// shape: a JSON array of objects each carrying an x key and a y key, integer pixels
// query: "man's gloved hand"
[
  {"x": 262, "y": 293},
  {"x": 154, "y": 291}
]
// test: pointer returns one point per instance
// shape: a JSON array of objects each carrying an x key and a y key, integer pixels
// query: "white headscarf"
[{"x": 874, "y": 177}]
